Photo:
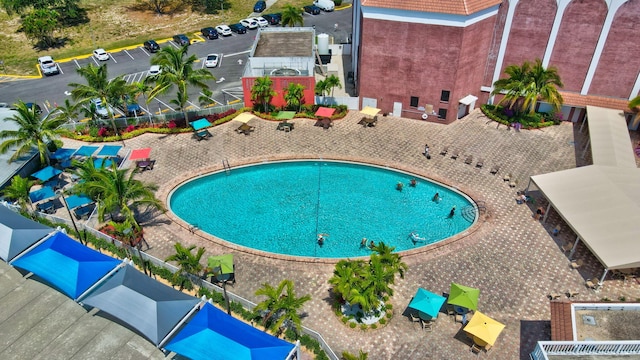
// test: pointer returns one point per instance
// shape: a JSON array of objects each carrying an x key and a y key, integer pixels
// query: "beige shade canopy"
[
  {"x": 370, "y": 111},
  {"x": 244, "y": 117}
]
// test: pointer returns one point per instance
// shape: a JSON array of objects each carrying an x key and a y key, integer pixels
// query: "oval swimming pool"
[{"x": 281, "y": 207}]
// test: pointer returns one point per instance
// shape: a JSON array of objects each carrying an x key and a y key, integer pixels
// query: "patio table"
[{"x": 479, "y": 342}]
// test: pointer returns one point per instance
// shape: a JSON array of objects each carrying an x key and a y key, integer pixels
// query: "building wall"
[
  {"x": 501, "y": 18},
  {"x": 279, "y": 85}
]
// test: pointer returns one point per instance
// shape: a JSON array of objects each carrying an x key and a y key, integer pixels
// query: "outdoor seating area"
[
  {"x": 245, "y": 129},
  {"x": 200, "y": 131}
]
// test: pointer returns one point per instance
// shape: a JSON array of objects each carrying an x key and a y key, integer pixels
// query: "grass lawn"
[{"x": 115, "y": 23}]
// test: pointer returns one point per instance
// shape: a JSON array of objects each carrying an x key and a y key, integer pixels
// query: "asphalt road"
[{"x": 134, "y": 64}]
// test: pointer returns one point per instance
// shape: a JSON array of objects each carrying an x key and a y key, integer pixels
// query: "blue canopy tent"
[
  {"x": 17, "y": 233},
  {"x": 46, "y": 173},
  {"x": 200, "y": 124},
  {"x": 109, "y": 150},
  {"x": 85, "y": 151},
  {"x": 45, "y": 193},
  {"x": 63, "y": 154},
  {"x": 66, "y": 264},
  {"x": 74, "y": 201},
  {"x": 102, "y": 163},
  {"x": 212, "y": 334},
  {"x": 148, "y": 306}
]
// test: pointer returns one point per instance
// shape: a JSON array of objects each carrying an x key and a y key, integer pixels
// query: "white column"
[
  {"x": 503, "y": 43},
  {"x": 613, "y": 5},
  {"x": 636, "y": 88},
  {"x": 562, "y": 6}
]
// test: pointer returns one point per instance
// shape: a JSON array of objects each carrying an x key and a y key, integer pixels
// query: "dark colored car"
[
  {"x": 209, "y": 32},
  {"x": 181, "y": 40},
  {"x": 30, "y": 106},
  {"x": 272, "y": 19},
  {"x": 312, "y": 9},
  {"x": 151, "y": 46},
  {"x": 238, "y": 28},
  {"x": 260, "y": 6},
  {"x": 130, "y": 107}
]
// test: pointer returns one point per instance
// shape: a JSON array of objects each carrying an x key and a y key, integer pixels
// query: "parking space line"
[
  {"x": 174, "y": 44},
  {"x": 144, "y": 51},
  {"x": 239, "y": 53},
  {"x": 194, "y": 105},
  {"x": 128, "y": 54},
  {"x": 220, "y": 59},
  {"x": 112, "y": 58},
  {"x": 163, "y": 103},
  {"x": 59, "y": 68},
  {"x": 95, "y": 61},
  {"x": 77, "y": 64}
]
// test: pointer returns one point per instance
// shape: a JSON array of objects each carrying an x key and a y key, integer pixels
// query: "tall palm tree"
[
  {"x": 262, "y": 91},
  {"x": 545, "y": 87},
  {"x": 140, "y": 88},
  {"x": 349, "y": 356},
  {"x": 68, "y": 112},
  {"x": 634, "y": 103},
  {"x": 333, "y": 82},
  {"x": 32, "y": 132},
  {"x": 346, "y": 276},
  {"x": 18, "y": 191},
  {"x": 188, "y": 262},
  {"x": 322, "y": 88},
  {"x": 291, "y": 16},
  {"x": 293, "y": 95},
  {"x": 390, "y": 259},
  {"x": 98, "y": 86},
  {"x": 281, "y": 306},
  {"x": 178, "y": 71}
]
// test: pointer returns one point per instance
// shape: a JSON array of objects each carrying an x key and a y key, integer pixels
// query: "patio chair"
[
  {"x": 554, "y": 296},
  {"x": 444, "y": 151},
  {"x": 576, "y": 263},
  {"x": 513, "y": 183},
  {"x": 480, "y": 163},
  {"x": 414, "y": 319},
  {"x": 455, "y": 154},
  {"x": 507, "y": 177},
  {"x": 449, "y": 309},
  {"x": 488, "y": 348},
  {"x": 571, "y": 294},
  {"x": 475, "y": 348},
  {"x": 468, "y": 160},
  {"x": 494, "y": 170},
  {"x": 427, "y": 326},
  {"x": 593, "y": 283},
  {"x": 567, "y": 247},
  {"x": 458, "y": 318}
]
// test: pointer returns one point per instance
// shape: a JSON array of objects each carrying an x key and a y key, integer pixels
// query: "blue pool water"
[{"x": 281, "y": 207}]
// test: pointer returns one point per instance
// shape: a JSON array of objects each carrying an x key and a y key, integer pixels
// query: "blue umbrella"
[
  {"x": 85, "y": 151},
  {"x": 41, "y": 194},
  {"x": 102, "y": 162},
  {"x": 46, "y": 173},
  {"x": 200, "y": 124},
  {"x": 74, "y": 201},
  {"x": 427, "y": 302},
  {"x": 109, "y": 150},
  {"x": 63, "y": 154}
]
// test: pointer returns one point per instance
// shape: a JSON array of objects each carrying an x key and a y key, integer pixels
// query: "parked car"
[
  {"x": 211, "y": 60},
  {"x": 151, "y": 46},
  {"x": 209, "y": 32},
  {"x": 249, "y": 23},
  {"x": 181, "y": 39},
  {"x": 100, "y": 54},
  {"x": 154, "y": 70},
  {"x": 223, "y": 30},
  {"x": 35, "y": 107},
  {"x": 48, "y": 66},
  {"x": 101, "y": 110},
  {"x": 312, "y": 9},
  {"x": 326, "y": 5},
  {"x": 238, "y": 28},
  {"x": 130, "y": 107},
  {"x": 260, "y": 6},
  {"x": 273, "y": 19},
  {"x": 262, "y": 22}
]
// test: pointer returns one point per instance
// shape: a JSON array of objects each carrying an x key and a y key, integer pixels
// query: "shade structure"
[
  {"x": 427, "y": 302},
  {"x": 140, "y": 154},
  {"x": 46, "y": 173},
  {"x": 109, "y": 150},
  {"x": 74, "y": 201},
  {"x": 66, "y": 264},
  {"x": 212, "y": 334},
  {"x": 370, "y": 111},
  {"x": 45, "y": 192},
  {"x": 17, "y": 233},
  {"x": 484, "y": 328},
  {"x": 102, "y": 162},
  {"x": 200, "y": 124},
  {"x": 63, "y": 154},
  {"x": 85, "y": 151},
  {"x": 244, "y": 117},
  {"x": 223, "y": 262},
  {"x": 148, "y": 306},
  {"x": 286, "y": 115},
  {"x": 325, "y": 111},
  {"x": 464, "y": 296}
]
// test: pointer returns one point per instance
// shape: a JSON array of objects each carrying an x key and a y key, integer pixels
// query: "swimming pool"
[{"x": 281, "y": 207}]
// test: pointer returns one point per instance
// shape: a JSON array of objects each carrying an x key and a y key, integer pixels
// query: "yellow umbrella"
[
  {"x": 244, "y": 117},
  {"x": 484, "y": 328},
  {"x": 370, "y": 111}
]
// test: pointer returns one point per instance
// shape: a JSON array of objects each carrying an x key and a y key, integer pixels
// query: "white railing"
[{"x": 544, "y": 349}]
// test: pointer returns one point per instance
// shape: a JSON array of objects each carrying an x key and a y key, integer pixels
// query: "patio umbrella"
[
  {"x": 140, "y": 154},
  {"x": 427, "y": 302},
  {"x": 464, "y": 296},
  {"x": 85, "y": 151},
  {"x": 325, "y": 111},
  {"x": 370, "y": 111},
  {"x": 74, "y": 201},
  {"x": 484, "y": 328},
  {"x": 223, "y": 262},
  {"x": 102, "y": 163},
  {"x": 41, "y": 194},
  {"x": 244, "y": 117},
  {"x": 63, "y": 154},
  {"x": 46, "y": 173},
  {"x": 109, "y": 150},
  {"x": 200, "y": 124},
  {"x": 286, "y": 115}
]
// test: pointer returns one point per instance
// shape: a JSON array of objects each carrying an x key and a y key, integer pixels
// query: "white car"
[
  {"x": 100, "y": 54},
  {"x": 100, "y": 109},
  {"x": 223, "y": 30},
  {"x": 211, "y": 60},
  {"x": 249, "y": 23},
  {"x": 262, "y": 22},
  {"x": 154, "y": 70}
]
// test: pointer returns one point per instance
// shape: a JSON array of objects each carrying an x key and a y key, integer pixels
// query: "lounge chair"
[
  {"x": 83, "y": 212},
  {"x": 576, "y": 263},
  {"x": 444, "y": 151},
  {"x": 468, "y": 160},
  {"x": 47, "y": 207},
  {"x": 554, "y": 296},
  {"x": 480, "y": 163},
  {"x": 571, "y": 294},
  {"x": 593, "y": 283},
  {"x": 494, "y": 170},
  {"x": 455, "y": 154}
]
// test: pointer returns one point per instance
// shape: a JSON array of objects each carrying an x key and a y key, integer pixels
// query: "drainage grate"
[{"x": 588, "y": 320}]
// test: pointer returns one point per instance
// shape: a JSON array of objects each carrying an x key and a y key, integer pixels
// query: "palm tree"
[
  {"x": 294, "y": 94},
  {"x": 321, "y": 88},
  {"x": 291, "y": 16},
  {"x": 68, "y": 112},
  {"x": 188, "y": 262},
  {"x": 333, "y": 82},
  {"x": 634, "y": 103},
  {"x": 262, "y": 91},
  {"x": 390, "y": 259},
  {"x": 98, "y": 86},
  {"x": 177, "y": 71},
  {"x": 281, "y": 306},
  {"x": 32, "y": 132},
  {"x": 142, "y": 89},
  {"x": 346, "y": 276},
  {"x": 527, "y": 84},
  {"x": 115, "y": 190},
  {"x": 349, "y": 356},
  {"x": 18, "y": 191}
]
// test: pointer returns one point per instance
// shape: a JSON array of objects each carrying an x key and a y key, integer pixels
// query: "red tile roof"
[
  {"x": 561, "y": 328},
  {"x": 457, "y": 7},
  {"x": 575, "y": 99}
]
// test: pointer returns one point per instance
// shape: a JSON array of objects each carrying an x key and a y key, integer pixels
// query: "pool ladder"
[{"x": 227, "y": 167}]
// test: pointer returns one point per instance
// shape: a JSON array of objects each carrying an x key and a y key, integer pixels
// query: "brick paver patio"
[{"x": 512, "y": 258}]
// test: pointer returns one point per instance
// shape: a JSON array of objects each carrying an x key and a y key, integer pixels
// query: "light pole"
[{"x": 75, "y": 227}]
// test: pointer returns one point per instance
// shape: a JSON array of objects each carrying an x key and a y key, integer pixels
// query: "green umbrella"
[
  {"x": 222, "y": 264},
  {"x": 464, "y": 296},
  {"x": 286, "y": 115}
]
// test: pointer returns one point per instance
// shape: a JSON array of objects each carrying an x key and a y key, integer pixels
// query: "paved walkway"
[{"x": 512, "y": 258}]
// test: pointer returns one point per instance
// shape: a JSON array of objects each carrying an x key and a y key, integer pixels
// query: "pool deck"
[{"x": 511, "y": 258}]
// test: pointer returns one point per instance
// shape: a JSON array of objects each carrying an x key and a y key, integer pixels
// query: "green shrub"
[
  {"x": 389, "y": 315},
  {"x": 383, "y": 321},
  {"x": 337, "y": 2},
  {"x": 388, "y": 306},
  {"x": 622, "y": 298},
  {"x": 374, "y": 326},
  {"x": 363, "y": 326},
  {"x": 353, "y": 325},
  {"x": 344, "y": 319}
]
